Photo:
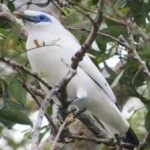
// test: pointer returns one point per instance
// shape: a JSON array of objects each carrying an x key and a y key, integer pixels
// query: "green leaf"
[
  {"x": 49, "y": 110},
  {"x": 44, "y": 130},
  {"x": 14, "y": 117},
  {"x": 3, "y": 88},
  {"x": 120, "y": 3},
  {"x": 6, "y": 40},
  {"x": 17, "y": 90},
  {"x": 145, "y": 51},
  {"x": 140, "y": 10},
  {"x": 110, "y": 71},
  {"x": 11, "y": 5},
  {"x": 148, "y": 86},
  {"x": 16, "y": 106},
  {"x": 92, "y": 2},
  {"x": 6, "y": 123},
  {"x": 147, "y": 121},
  {"x": 1, "y": 129},
  {"x": 101, "y": 43},
  {"x": 117, "y": 79},
  {"x": 114, "y": 31}
]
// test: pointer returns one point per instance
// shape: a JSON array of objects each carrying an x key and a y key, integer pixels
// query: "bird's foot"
[
  {"x": 77, "y": 113},
  {"x": 70, "y": 101}
]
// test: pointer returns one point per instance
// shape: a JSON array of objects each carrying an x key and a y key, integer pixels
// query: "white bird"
[{"x": 89, "y": 86}]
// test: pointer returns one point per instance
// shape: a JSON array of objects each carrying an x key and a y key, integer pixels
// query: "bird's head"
[{"x": 37, "y": 19}]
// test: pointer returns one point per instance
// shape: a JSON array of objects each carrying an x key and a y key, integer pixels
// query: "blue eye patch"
[{"x": 38, "y": 19}]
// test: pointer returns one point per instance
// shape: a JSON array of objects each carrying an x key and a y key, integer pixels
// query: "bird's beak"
[{"x": 20, "y": 14}]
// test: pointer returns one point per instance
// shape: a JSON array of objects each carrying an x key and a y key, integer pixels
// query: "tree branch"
[
  {"x": 134, "y": 52},
  {"x": 28, "y": 89},
  {"x": 87, "y": 44},
  {"x": 18, "y": 66},
  {"x": 69, "y": 119},
  {"x": 146, "y": 143},
  {"x": 5, "y": 13},
  {"x": 42, "y": 110},
  {"x": 118, "y": 40},
  {"x": 108, "y": 142}
]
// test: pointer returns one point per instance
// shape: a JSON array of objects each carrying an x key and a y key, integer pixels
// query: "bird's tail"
[{"x": 131, "y": 138}]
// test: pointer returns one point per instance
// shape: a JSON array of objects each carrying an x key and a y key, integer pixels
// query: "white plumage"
[{"x": 89, "y": 85}]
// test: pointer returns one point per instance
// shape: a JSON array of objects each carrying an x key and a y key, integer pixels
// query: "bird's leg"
[
  {"x": 79, "y": 102},
  {"x": 80, "y": 97},
  {"x": 70, "y": 101},
  {"x": 118, "y": 139},
  {"x": 74, "y": 103},
  {"x": 77, "y": 113}
]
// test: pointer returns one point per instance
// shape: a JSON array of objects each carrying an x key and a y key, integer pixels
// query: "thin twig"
[
  {"x": 7, "y": 14},
  {"x": 119, "y": 41},
  {"x": 42, "y": 110},
  {"x": 134, "y": 52},
  {"x": 132, "y": 25},
  {"x": 71, "y": 2},
  {"x": 69, "y": 119},
  {"x": 56, "y": 3},
  {"x": 146, "y": 143},
  {"x": 139, "y": 31},
  {"x": 93, "y": 125},
  {"x": 17, "y": 66},
  {"x": 37, "y": 92},
  {"x": 71, "y": 73},
  {"x": 109, "y": 142},
  {"x": 118, "y": 21},
  {"x": 87, "y": 44},
  {"x": 27, "y": 88},
  {"x": 58, "y": 134}
]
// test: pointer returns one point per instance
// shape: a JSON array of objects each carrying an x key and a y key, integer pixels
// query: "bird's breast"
[{"x": 47, "y": 62}]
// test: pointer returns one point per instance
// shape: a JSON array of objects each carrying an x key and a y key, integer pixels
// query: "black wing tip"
[{"x": 131, "y": 137}]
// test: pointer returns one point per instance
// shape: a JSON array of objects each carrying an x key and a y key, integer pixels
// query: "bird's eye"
[{"x": 42, "y": 18}]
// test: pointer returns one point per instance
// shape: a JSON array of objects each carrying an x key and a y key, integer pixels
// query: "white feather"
[{"x": 88, "y": 85}]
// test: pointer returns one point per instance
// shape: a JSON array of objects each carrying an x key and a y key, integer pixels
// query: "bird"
[{"x": 48, "y": 42}]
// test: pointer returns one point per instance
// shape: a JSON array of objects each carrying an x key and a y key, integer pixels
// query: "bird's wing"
[{"x": 88, "y": 66}]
